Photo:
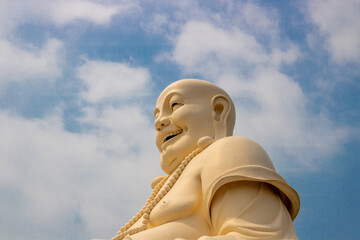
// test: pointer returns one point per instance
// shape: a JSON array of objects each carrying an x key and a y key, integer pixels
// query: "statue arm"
[{"x": 249, "y": 210}]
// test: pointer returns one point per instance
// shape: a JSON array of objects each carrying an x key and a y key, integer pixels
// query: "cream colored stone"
[{"x": 218, "y": 186}]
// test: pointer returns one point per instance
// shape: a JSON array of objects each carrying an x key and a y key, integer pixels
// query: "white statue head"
[{"x": 186, "y": 111}]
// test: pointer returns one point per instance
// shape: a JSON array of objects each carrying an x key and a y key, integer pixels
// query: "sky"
[{"x": 79, "y": 81}]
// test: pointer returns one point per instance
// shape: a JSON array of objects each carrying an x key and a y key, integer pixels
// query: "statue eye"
[{"x": 175, "y": 106}]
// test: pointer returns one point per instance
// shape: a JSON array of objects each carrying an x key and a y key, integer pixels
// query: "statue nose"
[{"x": 161, "y": 122}]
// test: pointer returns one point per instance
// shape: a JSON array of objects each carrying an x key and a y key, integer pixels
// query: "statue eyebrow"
[
  {"x": 167, "y": 99},
  {"x": 170, "y": 95}
]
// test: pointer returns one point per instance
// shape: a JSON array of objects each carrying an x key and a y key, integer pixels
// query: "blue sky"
[{"x": 79, "y": 81}]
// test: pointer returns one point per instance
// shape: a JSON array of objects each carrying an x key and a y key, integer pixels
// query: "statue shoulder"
[
  {"x": 238, "y": 151},
  {"x": 233, "y": 159}
]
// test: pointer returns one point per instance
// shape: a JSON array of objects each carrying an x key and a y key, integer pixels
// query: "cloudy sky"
[{"x": 79, "y": 80}]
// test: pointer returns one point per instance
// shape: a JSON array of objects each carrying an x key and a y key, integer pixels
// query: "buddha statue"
[{"x": 218, "y": 186}]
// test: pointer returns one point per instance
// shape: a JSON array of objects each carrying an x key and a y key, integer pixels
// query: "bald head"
[
  {"x": 186, "y": 111},
  {"x": 210, "y": 92}
]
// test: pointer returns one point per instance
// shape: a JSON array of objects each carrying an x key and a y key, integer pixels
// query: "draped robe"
[{"x": 230, "y": 190}]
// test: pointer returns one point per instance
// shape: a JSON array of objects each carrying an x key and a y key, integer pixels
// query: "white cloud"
[
  {"x": 202, "y": 42},
  {"x": 125, "y": 134},
  {"x": 20, "y": 61},
  {"x": 111, "y": 80},
  {"x": 157, "y": 23},
  {"x": 167, "y": 17},
  {"x": 67, "y": 11},
  {"x": 204, "y": 48},
  {"x": 271, "y": 107},
  {"x": 20, "y": 64},
  {"x": 258, "y": 19},
  {"x": 124, "y": 127},
  {"x": 338, "y": 23},
  {"x": 79, "y": 181},
  {"x": 15, "y": 13}
]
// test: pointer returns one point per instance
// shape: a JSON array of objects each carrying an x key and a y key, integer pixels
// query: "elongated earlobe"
[
  {"x": 221, "y": 108},
  {"x": 218, "y": 109}
]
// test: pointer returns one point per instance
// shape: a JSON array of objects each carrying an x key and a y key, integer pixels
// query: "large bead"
[{"x": 204, "y": 142}]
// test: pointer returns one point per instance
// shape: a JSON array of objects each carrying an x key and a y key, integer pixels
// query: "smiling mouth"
[{"x": 169, "y": 136}]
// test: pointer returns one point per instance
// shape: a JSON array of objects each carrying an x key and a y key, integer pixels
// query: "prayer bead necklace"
[{"x": 157, "y": 195}]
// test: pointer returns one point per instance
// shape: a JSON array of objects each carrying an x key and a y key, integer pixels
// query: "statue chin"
[
  {"x": 169, "y": 160},
  {"x": 168, "y": 164}
]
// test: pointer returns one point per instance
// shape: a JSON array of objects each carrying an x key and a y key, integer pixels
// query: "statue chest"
[{"x": 181, "y": 202}]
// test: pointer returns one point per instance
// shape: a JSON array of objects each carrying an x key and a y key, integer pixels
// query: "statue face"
[{"x": 183, "y": 115}]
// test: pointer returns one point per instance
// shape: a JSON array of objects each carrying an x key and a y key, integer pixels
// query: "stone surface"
[{"x": 218, "y": 186}]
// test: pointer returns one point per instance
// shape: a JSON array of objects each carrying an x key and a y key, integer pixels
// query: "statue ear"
[{"x": 221, "y": 109}]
